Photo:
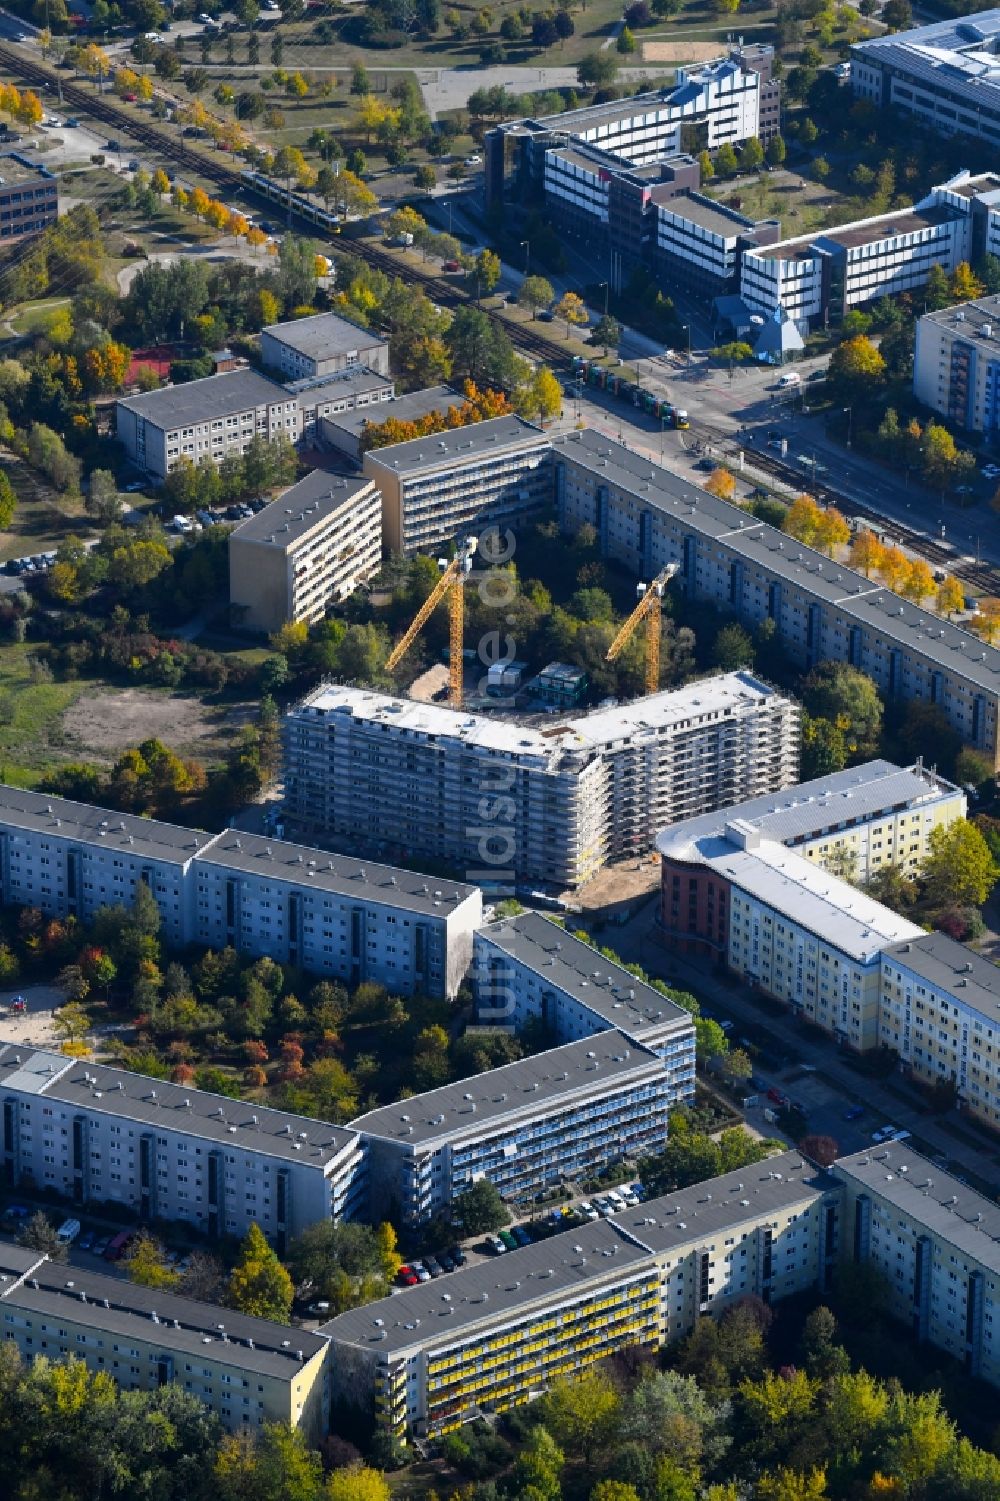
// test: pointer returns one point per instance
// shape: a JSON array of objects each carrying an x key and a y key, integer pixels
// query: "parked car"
[
  {"x": 445, "y": 1261},
  {"x": 433, "y": 1266},
  {"x": 508, "y": 1240},
  {"x": 495, "y": 1244},
  {"x": 85, "y": 1242},
  {"x": 991, "y": 471},
  {"x": 588, "y": 1211},
  {"x": 451, "y": 266},
  {"x": 421, "y": 1272},
  {"x": 68, "y": 1231},
  {"x": 473, "y": 161},
  {"x": 521, "y": 1235},
  {"x": 317, "y": 1310},
  {"x": 457, "y": 1255},
  {"x": 117, "y": 1246},
  {"x": 16, "y": 1212}
]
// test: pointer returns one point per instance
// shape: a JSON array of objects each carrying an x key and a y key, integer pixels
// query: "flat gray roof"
[
  {"x": 324, "y": 335},
  {"x": 200, "y": 400},
  {"x": 116, "y": 1306},
  {"x": 941, "y": 641},
  {"x": 605, "y": 988},
  {"x": 403, "y": 408},
  {"x": 459, "y": 445},
  {"x": 127, "y": 1096},
  {"x": 503, "y": 1094},
  {"x": 301, "y": 508},
  {"x": 953, "y": 968},
  {"x": 548, "y": 1270},
  {"x": 366, "y": 880},
  {"x": 315, "y": 388},
  {"x": 811, "y": 808},
  {"x": 41, "y": 813},
  {"x": 969, "y": 322},
  {"x": 706, "y": 214},
  {"x": 929, "y": 1196}
]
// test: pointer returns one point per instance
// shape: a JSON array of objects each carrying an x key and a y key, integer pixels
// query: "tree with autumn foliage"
[
  {"x": 802, "y": 520},
  {"x": 721, "y": 483},
  {"x": 105, "y": 367},
  {"x": 866, "y": 552},
  {"x": 950, "y": 596},
  {"x": 478, "y": 406}
]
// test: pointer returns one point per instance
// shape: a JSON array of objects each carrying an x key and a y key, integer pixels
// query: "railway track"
[{"x": 984, "y": 577}]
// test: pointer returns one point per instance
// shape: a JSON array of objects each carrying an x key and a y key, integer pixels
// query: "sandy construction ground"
[
  {"x": 34, "y": 1028},
  {"x": 106, "y": 723},
  {"x": 680, "y": 52}
]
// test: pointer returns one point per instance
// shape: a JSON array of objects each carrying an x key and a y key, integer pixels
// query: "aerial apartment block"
[
  {"x": 429, "y": 1358},
  {"x": 782, "y": 924},
  {"x": 29, "y": 196},
  {"x": 946, "y": 74},
  {"x": 247, "y": 1371},
  {"x": 956, "y": 364},
  {"x": 322, "y": 345},
  {"x": 333, "y": 915},
  {"x": 940, "y": 1011},
  {"x": 530, "y": 969},
  {"x": 309, "y": 549},
  {"x": 855, "y": 821},
  {"x": 553, "y": 1118},
  {"x": 99, "y": 1135},
  {"x": 936, "y": 1243},
  {"x": 646, "y": 517},
  {"x": 346, "y": 432},
  {"x": 437, "y": 488},
  {"x": 391, "y": 774},
  {"x": 818, "y": 278}
]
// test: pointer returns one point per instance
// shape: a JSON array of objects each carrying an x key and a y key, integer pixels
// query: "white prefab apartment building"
[
  {"x": 528, "y": 1126},
  {"x": 247, "y": 1371},
  {"x": 947, "y": 74},
  {"x": 936, "y": 1243},
  {"x": 529, "y": 969},
  {"x": 646, "y": 517},
  {"x": 818, "y": 278},
  {"x": 391, "y": 774},
  {"x": 305, "y": 551},
  {"x": 640, "y": 1280},
  {"x": 956, "y": 364},
  {"x": 103, "y": 1135},
  {"x": 320, "y": 346},
  {"x": 440, "y": 487},
  {"x": 794, "y": 930},
  {"x": 330, "y": 914}
]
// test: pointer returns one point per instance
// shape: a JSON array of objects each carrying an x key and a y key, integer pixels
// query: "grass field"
[
  {"x": 31, "y": 710},
  {"x": 43, "y": 518}
]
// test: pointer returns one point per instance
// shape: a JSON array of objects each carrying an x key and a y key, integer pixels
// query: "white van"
[
  {"x": 68, "y": 1231},
  {"x": 792, "y": 378}
]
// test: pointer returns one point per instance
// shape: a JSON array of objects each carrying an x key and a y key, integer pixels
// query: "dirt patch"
[
  {"x": 679, "y": 52},
  {"x": 616, "y": 886},
  {"x": 105, "y": 723}
]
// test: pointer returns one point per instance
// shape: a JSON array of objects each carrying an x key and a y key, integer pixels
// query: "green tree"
[
  {"x": 732, "y": 649},
  {"x": 102, "y": 499},
  {"x": 626, "y": 43},
  {"x": 480, "y": 1209},
  {"x": 726, "y": 162},
  {"x": 959, "y": 870},
  {"x": 843, "y": 696},
  {"x": 597, "y": 69},
  {"x": 39, "y": 1234},
  {"x": 488, "y": 269},
  {"x": 259, "y": 1284},
  {"x": 539, "y": 1466},
  {"x": 276, "y": 1464},
  {"x": 776, "y": 151},
  {"x": 751, "y": 155},
  {"x": 535, "y": 292},
  {"x": 357, "y": 1482},
  {"x": 580, "y": 1413},
  {"x": 606, "y": 331}
]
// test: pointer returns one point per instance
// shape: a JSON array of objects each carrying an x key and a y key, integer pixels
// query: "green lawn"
[
  {"x": 34, "y": 317},
  {"x": 43, "y": 518},
  {"x": 30, "y": 715}
]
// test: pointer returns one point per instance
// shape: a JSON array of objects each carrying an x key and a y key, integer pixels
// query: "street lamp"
[
  {"x": 607, "y": 289},
  {"x": 526, "y": 247},
  {"x": 686, "y": 329},
  {"x": 850, "y": 423}
]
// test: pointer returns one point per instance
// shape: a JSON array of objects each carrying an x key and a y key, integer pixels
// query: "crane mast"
[
  {"x": 649, "y": 611},
  {"x": 450, "y": 585}
]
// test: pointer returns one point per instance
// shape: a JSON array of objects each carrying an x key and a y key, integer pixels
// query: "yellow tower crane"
[
  {"x": 649, "y": 610},
  {"x": 451, "y": 583}
]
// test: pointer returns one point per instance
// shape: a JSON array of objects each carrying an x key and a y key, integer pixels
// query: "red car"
[
  {"x": 777, "y": 1096},
  {"x": 130, "y": 98},
  {"x": 451, "y": 265},
  {"x": 407, "y": 1277}
]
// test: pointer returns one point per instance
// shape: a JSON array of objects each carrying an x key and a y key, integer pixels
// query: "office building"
[
  {"x": 98, "y": 1135},
  {"x": 29, "y": 197},
  {"x": 724, "y": 101},
  {"x": 247, "y": 1371},
  {"x": 345, "y": 432},
  {"x": 210, "y": 418},
  {"x": 306, "y": 551},
  {"x": 853, "y": 822},
  {"x": 772, "y": 917},
  {"x": 646, "y": 517},
  {"x": 428, "y": 1359},
  {"x": 450, "y": 484},
  {"x": 700, "y": 244},
  {"x": 946, "y": 74},
  {"x": 391, "y": 774},
  {"x": 322, "y": 345},
  {"x": 816, "y": 279},
  {"x": 329, "y": 914},
  {"x": 557, "y": 1117},
  {"x": 940, "y": 1011},
  {"x": 936, "y": 1243},
  {"x": 956, "y": 364},
  {"x": 530, "y": 969}
]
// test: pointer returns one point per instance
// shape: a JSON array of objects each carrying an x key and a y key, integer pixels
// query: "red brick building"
[{"x": 694, "y": 909}]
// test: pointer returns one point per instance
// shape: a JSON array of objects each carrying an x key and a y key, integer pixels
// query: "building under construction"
[{"x": 543, "y": 804}]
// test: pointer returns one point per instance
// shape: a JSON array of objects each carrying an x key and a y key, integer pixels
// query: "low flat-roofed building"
[
  {"x": 565, "y": 1114},
  {"x": 936, "y": 1243},
  {"x": 432, "y": 1357},
  {"x": 29, "y": 195},
  {"x": 940, "y": 1011},
  {"x": 333, "y": 915},
  {"x": 345, "y": 431},
  {"x": 324, "y": 396},
  {"x": 204, "y": 419},
  {"x": 96, "y": 1134},
  {"x": 322, "y": 344},
  {"x": 853, "y": 822},
  {"x": 772, "y": 917},
  {"x": 700, "y": 243},
  {"x": 530, "y": 969},
  {"x": 309, "y": 549},
  {"x": 247, "y": 1371},
  {"x": 437, "y": 488},
  {"x": 956, "y": 363},
  {"x": 646, "y": 517}
]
